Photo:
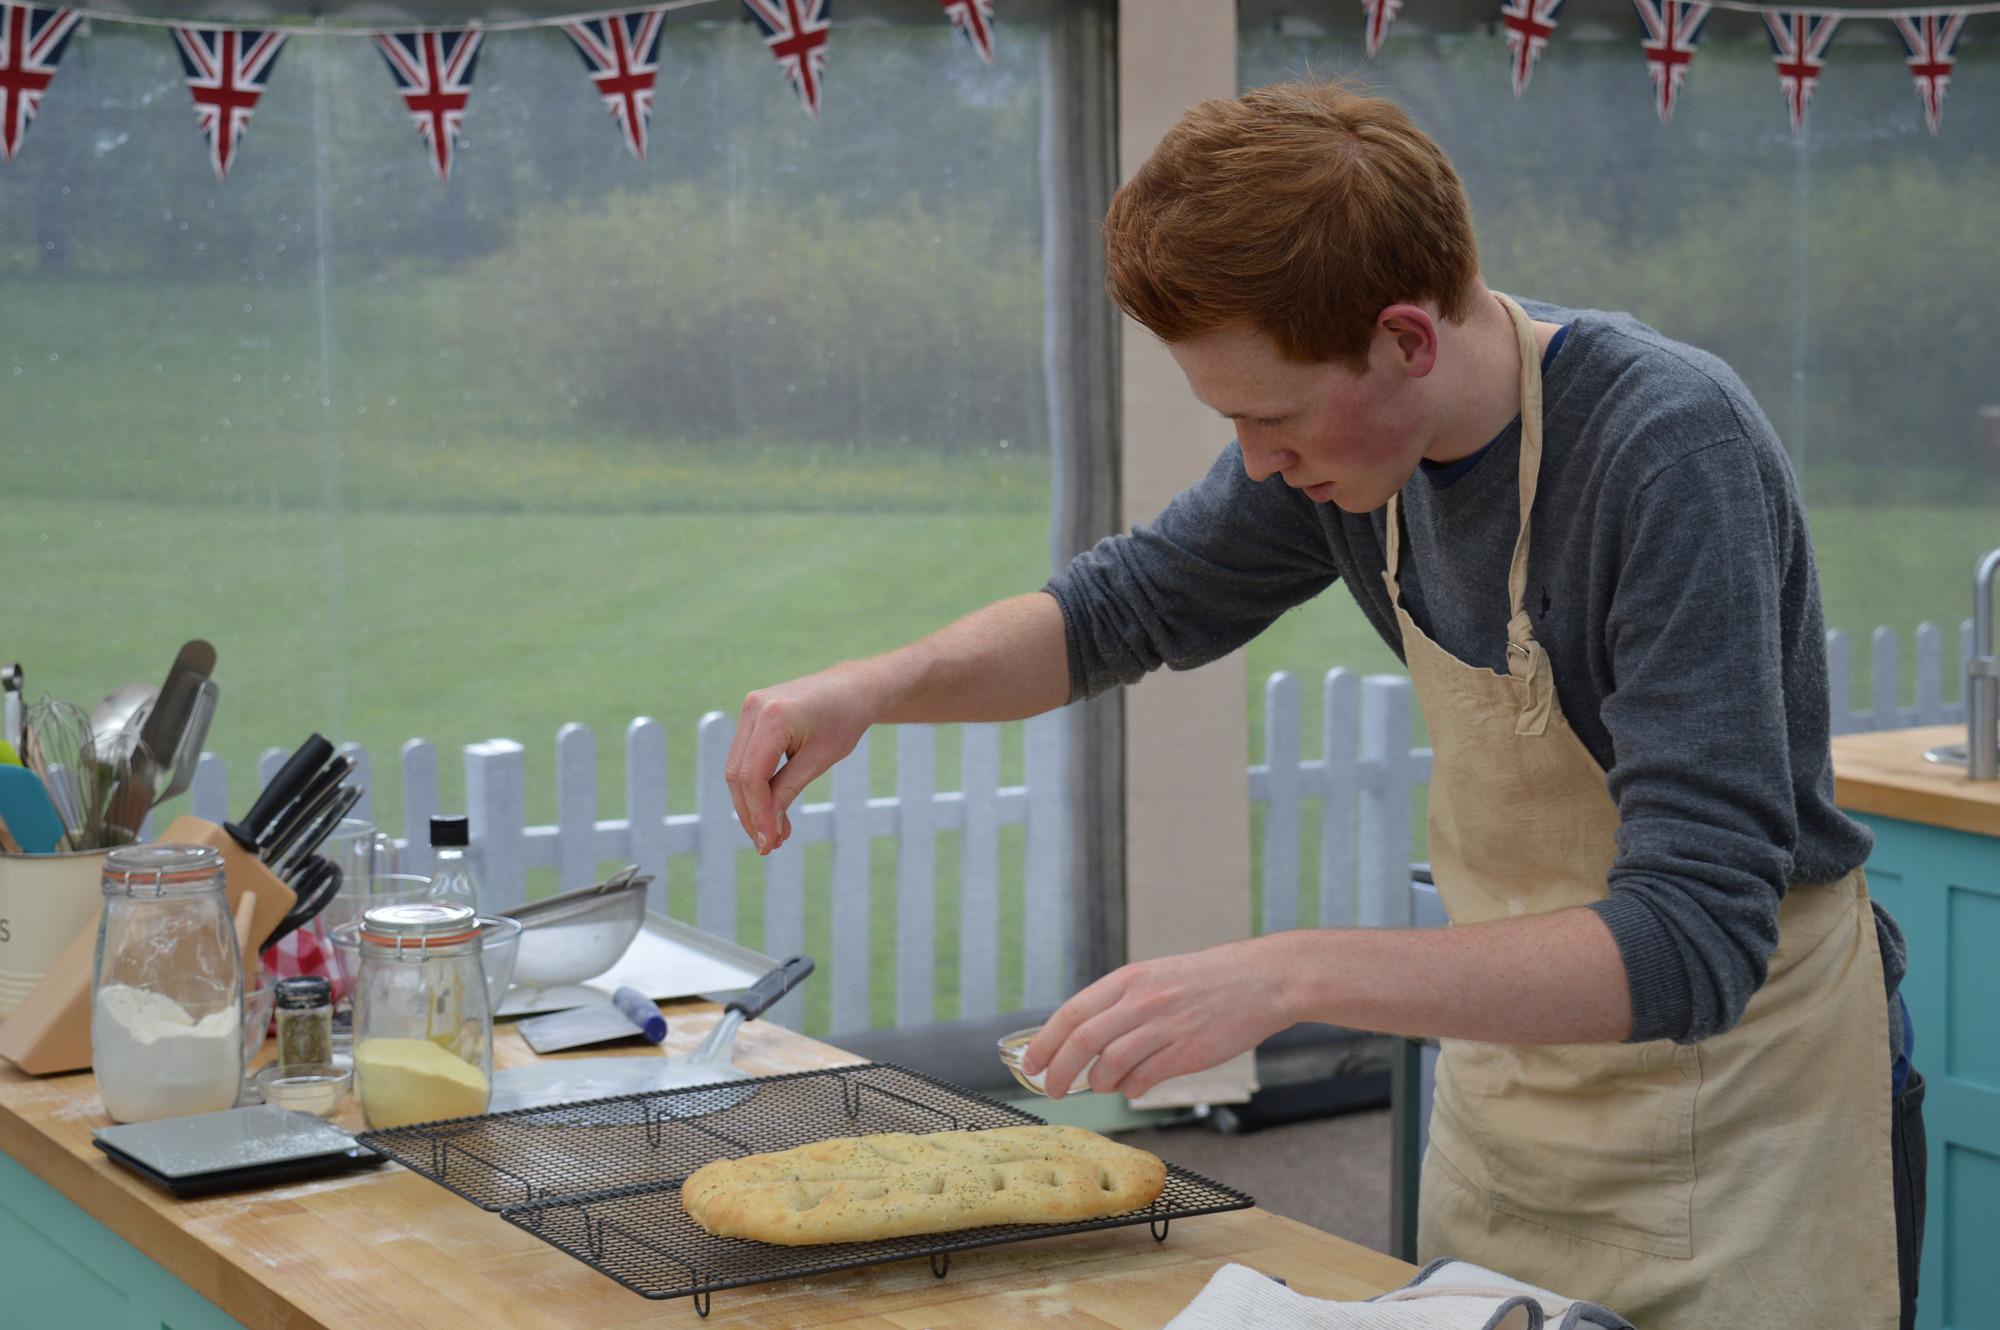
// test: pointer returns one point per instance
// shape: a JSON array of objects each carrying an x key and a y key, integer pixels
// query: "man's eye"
[{"x": 1270, "y": 422}]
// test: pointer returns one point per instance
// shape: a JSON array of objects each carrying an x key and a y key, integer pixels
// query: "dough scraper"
[{"x": 567, "y": 1080}]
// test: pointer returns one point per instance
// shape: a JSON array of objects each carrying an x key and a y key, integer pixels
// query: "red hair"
[{"x": 1301, "y": 210}]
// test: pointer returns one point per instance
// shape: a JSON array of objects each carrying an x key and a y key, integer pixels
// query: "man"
[{"x": 1672, "y": 1050}]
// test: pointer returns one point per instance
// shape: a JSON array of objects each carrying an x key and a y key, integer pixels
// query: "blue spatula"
[{"x": 25, "y": 807}]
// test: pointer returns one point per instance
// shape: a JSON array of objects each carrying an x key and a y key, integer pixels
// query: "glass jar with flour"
[
  {"x": 423, "y": 1033},
  {"x": 166, "y": 1025}
]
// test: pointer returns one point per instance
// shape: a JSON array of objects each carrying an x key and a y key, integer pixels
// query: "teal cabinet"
[
  {"x": 1944, "y": 889},
  {"x": 62, "y": 1270}
]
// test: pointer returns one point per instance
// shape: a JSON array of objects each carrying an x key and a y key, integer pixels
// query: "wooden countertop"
[
  {"x": 1885, "y": 773},
  {"x": 387, "y": 1248}
]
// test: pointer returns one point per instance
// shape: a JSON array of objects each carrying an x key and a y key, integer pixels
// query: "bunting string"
[
  {"x": 229, "y": 65},
  {"x": 322, "y": 28},
  {"x": 1669, "y": 29}
]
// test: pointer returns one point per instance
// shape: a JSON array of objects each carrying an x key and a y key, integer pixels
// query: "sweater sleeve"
[
  {"x": 1697, "y": 715},
  {"x": 1217, "y": 567}
]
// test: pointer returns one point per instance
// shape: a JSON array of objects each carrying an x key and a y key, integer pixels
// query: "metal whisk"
[{"x": 60, "y": 750}]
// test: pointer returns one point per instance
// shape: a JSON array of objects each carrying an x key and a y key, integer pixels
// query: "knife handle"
[
  {"x": 303, "y": 849},
  {"x": 312, "y": 800},
  {"x": 298, "y": 770},
  {"x": 757, "y": 998}
]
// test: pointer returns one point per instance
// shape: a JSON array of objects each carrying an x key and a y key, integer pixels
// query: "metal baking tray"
[
  {"x": 668, "y": 959},
  {"x": 601, "y": 1180}
]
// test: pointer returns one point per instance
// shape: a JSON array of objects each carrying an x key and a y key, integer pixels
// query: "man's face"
[{"x": 1343, "y": 437}]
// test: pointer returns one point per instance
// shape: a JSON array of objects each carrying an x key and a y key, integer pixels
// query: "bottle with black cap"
[{"x": 451, "y": 870}]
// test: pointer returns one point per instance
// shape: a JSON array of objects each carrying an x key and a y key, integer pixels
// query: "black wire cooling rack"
[{"x": 601, "y": 1179}]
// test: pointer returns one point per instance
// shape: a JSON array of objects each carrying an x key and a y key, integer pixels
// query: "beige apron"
[{"x": 1742, "y": 1182}]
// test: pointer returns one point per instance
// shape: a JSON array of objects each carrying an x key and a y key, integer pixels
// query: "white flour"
[{"x": 153, "y": 1060}]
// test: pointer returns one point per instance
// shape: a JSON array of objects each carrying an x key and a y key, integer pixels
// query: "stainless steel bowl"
[{"x": 576, "y": 936}]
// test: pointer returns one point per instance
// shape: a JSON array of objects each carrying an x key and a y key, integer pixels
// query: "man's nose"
[{"x": 1260, "y": 463}]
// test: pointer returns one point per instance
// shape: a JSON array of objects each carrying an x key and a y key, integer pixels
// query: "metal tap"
[{"x": 1982, "y": 680}]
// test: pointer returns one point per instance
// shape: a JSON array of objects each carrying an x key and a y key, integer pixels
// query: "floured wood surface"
[{"x": 390, "y": 1249}]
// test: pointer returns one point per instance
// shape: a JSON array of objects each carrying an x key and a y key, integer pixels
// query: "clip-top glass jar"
[
  {"x": 423, "y": 1033},
  {"x": 166, "y": 1027}
]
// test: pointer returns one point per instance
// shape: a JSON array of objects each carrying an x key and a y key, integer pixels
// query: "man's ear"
[{"x": 1413, "y": 338}]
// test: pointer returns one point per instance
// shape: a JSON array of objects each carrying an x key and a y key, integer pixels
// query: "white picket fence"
[
  {"x": 1885, "y": 684},
  {"x": 1362, "y": 799},
  {"x": 647, "y": 834}
]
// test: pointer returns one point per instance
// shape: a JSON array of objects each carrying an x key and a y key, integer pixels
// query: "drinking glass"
[{"x": 359, "y": 849}]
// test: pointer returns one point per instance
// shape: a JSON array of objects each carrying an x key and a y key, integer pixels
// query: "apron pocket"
[{"x": 1592, "y": 1140}]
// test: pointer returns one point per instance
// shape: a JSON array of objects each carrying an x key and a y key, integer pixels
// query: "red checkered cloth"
[{"x": 305, "y": 951}]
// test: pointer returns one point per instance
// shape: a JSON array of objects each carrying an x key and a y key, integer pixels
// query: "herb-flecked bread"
[{"x": 892, "y": 1185}]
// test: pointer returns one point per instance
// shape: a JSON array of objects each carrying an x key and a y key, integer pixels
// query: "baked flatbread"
[{"x": 894, "y": 1184}]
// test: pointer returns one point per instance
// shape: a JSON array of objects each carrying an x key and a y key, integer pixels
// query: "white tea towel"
[{"x": 1447, "y": 1295}]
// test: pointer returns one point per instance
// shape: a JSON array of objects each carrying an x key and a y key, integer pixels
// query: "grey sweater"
[{"x": 1671, "y": 580}]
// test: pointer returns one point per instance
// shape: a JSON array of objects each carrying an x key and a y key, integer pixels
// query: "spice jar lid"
[
  {"x": 161, "y": 870},
  {"x": 429, "y": 923},
  {"x": 304, "y": 992}
]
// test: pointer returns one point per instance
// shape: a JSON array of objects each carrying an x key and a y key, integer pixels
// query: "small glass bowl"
[
  {"x": 1012, "y": 1046},
  {"x": 317, "y": 1088}
]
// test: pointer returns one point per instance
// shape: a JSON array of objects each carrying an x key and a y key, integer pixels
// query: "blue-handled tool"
[
  {"x": 27, "y": 811},
  {"x": 642, "y": 1011},
  {"x": 629, "y": 1015}
]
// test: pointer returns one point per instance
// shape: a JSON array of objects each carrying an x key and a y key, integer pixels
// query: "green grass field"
[{"x": 466, "y": 569}]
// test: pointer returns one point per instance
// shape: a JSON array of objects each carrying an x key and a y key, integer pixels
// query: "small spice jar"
[{"x": 305, "y": 1021}]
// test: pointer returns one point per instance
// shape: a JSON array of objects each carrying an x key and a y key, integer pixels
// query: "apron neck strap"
[
  {"x": 1531, "y": 458},
  {"x": 1530, "y": 477}
]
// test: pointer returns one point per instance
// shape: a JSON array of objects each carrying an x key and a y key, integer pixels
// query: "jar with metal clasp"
[
  {"x": 423, "y": 1032},
  {"x": 166, "y": 1023}
]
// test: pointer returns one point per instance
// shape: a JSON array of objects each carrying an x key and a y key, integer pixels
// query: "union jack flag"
[
  {"x": 1530, "y": 24},
  {"x": 226, "y": 71},
  {"x": 1798, "y": 48},
  {"x": 1668, "y": 30},
  {"x": 31, "y": 41},
  {"x": 1381, "y": 13},
  {"x": 434, "y": 71},
  {"x": 622, "y": 53},
  {"x": 975, "y": 19},
  {"x": 796, "y": 32},
  {"x": 1932, "y": 41}
]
